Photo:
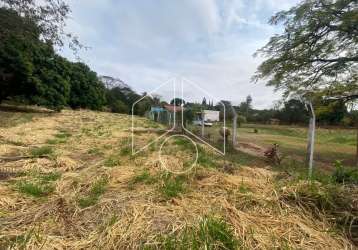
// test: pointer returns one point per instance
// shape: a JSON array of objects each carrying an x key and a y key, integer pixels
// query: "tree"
[
  {"x": 293, "y": 112},
  {"x": 222, "y": 106},
  {"x": 86, "y": 90},
  {"x": 177, "y": 101},
  {"x": 117, "y": 106},
  {"x": 16, "y": 53},
  {"x": 29, "y": 69},
  {"x": 32, "y": 72},
  {"x": 53, "y": 80},
  {"x": 204, "y": 102},
  {"x": 248, "y": 104},
  {"x": 156, "y": 99},
  {"x": 331, "y": 112},
  {"x": 317, "y": 51},
  {"x": 50, "y": 17}
]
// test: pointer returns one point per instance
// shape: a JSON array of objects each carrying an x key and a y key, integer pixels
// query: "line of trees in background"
[
  {"x": 289, "y": 112},
  {"x": 294, "y": 111},
  {"x": 31, "y": 72}
]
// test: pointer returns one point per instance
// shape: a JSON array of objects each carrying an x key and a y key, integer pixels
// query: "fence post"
[
  {"x": 311, "y": 138},
  {"x": 202, "y": 124},
  {"x": 234, "y": 126}
]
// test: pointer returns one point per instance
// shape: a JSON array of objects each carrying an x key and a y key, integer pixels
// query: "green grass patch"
[
  {"x": 205, "y": 159},
  {"x": 41, "y": 151},
  {"x": 126, "y": 150},
  {"x": 40, "y": 184},
  {"x": 49, "y": 177},
  {"x": 152, "y": 147},
  {"x": 172, "y": 185},
  {"x": 95, "y": 151},
  {"x": 34, "y": 189},
  {"x": 299, "y": 171},
  {"x": 210, "y": 233},
  {"x": 97, "y": 189},
  {"x": 63, "y": 135},
  {"x": 54, "y": 141},
  {"x": 344, "y": 174},
  {"x": 59, "y": 138},
  {"x": 112, "y": 161},
  {"x": 244, "y": 188},
  {"x": 142, "y": 177},
  {"x": 322, "y": 194},
  {"x": 21, "y": 241}
]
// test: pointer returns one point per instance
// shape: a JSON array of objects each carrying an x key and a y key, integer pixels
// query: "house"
[
  {"x": 274, "y": 121},
  {"x": 157, "y": 113},
  {"x": 211, "y": 116},
  {"x": 175, "y": 115}
]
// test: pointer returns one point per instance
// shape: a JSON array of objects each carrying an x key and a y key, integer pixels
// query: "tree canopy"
[
  {"x": 317, "y": 52},
  {"x": 50, "y": 17},
  {"x": 31, "y": 71}
]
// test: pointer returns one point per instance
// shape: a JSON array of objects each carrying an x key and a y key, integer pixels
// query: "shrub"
[{"x": 344, "y": 175}]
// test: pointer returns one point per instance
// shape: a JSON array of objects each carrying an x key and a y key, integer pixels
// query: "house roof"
[{"x": 173, "y": 108}]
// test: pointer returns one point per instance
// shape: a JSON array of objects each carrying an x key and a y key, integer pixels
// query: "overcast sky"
[{"x": 210, "y": 42}]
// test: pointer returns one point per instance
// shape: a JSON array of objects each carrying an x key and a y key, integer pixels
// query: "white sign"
[{"x": 211, "y": 115}]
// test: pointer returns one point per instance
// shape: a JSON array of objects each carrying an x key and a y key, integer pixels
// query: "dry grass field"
[{"x": 68, "y": 181}]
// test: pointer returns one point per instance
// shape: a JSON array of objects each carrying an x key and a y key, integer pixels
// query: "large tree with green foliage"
[
  {"x": 293, "y": 112},
  {"x": 317, "y": 53},
  {"x": 50, "y": 17},
  {"x": 86, "y": 89},
  {"x": 318, "y": 49},
  {"x": 31, "y": 71},
  {"x": 29, "y": 68}
]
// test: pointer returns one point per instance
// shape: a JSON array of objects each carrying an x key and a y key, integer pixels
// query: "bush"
[
  {"x": 117, "y": 106},
  {"x": 344, "y": 175}
]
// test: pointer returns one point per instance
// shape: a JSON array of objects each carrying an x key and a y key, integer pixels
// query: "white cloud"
[{"x": 208, "y": 41}]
